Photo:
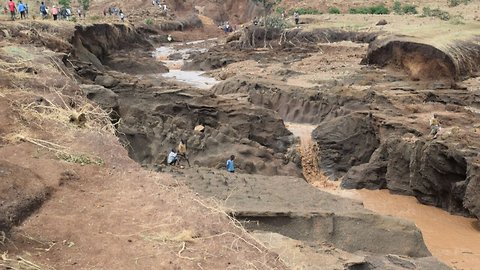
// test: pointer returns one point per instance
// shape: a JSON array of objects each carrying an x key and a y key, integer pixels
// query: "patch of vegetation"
[
  {"x": 334, "y": 10},
  {"x": 81, "y": 159},
  {"x": 409, "y": 9},
  {"x": 397, "y": 7},
  {"x": 148, "y": 21},
  {"x": 280, "y": 10},
  {"x": 437, "y": 13},
  {"x": 306, "y": 10},
  {"x": 454, "y": 3},
  {"x": 378, "y": 9},
  {"x": 275, "y": 22},
  {"x": 95, "y": 18},
  {"x": 64, "y": 3},
  {"x": 457, "y": 20}
]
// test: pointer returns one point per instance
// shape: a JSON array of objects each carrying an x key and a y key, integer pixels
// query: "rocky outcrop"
[
  {"x": 435, "y": 172},
  {"x": 345, "y": 142},
  {"x": 293, "y": 208},
  {"x": 323, "y": 256}
]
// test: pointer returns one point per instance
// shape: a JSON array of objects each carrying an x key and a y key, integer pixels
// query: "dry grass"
[{"x": 20, "y": 263}]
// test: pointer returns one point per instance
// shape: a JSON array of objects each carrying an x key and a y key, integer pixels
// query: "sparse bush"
[
  {"x": 397, "y": 7},
  {"x": 409, "y": 9},
  {"x": 334, "y": 10},
  {"x": 454, "y": 3},
  {"x": 280, "y": 10},
  {"x": 379, "y": 9},
  {"x": 95, "y": 18},
  {"x": 303, "y": 11},
  {"x": 275, "y": 22},
  {"x": 148, "y": 21},
  {"x": 457, "y": 20},
  {"x": 438, "y": 13}
]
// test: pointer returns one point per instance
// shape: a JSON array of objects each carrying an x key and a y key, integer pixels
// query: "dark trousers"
[{"x": 55, "y": 17}]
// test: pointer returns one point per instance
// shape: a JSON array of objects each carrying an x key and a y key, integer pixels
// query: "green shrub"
[
  {"x": 397, "y": 7},
  {"x": 379, "y": 9},
  {"x": 95, "y": 18},
  {"x": 409, "y": 9},
  {"x": 149, "y": 21},
  {"x": 303, "y": 11},
  {"x": 334, "y": 10},
  {"x": 438, "y": 13},
  {"x": 280, "y": 10}
]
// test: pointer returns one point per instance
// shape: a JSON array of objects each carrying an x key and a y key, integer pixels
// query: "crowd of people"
[{"x": 22, "y": 9}]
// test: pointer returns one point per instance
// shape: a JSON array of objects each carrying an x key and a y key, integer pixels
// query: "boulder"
[{"x": 345, "y": 142}]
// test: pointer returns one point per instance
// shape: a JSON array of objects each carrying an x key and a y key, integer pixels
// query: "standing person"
[
  {"x": 21, "y": 9},
  {"x": 43, "y": 10},
  {"x": 79, "y": 13},
  {"x": 12, "y": 8},
  {"x": 122, "y": 16},
  {"x": 230, "y": 164},
  {"x": 434, "y": 126},
  {"x": 26, "y": 10},
  {"x": 54, "y": 13},
  {"x": 296, "y": 17},
  {"x": 182, "y": 151}
]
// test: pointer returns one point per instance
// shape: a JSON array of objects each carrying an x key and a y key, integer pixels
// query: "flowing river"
[{"x": 455, "y": 240}]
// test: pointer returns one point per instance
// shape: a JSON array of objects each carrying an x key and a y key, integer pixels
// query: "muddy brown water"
[{"x": 455, "y": 240}]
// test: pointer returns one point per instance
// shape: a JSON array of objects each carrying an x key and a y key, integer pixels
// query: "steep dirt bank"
[{"x": 423, "y": 61}]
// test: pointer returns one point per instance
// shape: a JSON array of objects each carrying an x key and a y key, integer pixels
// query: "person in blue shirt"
[
  {"x": 230, "y": 164},
  {"x": 22, "y": 10},
  {"x": 43, "y": 10}
]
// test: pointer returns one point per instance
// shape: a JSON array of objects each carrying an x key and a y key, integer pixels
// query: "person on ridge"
[
  {"x": 434, "y": 125},
  {"x": 230, "y": 164},
  {"x": 43, "y": 10},
  {"x": 21, "y": 9},
  {"x": 54, "y": 13},
  {"x": 296, "y": 17},
  {"x": 12, "y": 8}
]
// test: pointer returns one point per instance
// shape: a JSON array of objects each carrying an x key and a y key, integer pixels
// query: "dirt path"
[{"x": 454, "y": 240}]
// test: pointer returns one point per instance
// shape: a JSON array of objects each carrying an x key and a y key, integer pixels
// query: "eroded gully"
[{"x": 452, "y": 239}]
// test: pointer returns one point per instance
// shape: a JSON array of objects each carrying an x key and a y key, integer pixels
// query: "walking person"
[
  {"x": 26, "y": 10},
  {"x": 231, "y": 164},
  {"x": 54, "y": 13},
  {"x": 43, "y": 10},
  {"x": 21, "y": 9},
  {"x": 296, "y": 17},
  {"x": 12, "y": 8}
]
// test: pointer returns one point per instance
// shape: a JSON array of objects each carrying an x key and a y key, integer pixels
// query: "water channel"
[{"x": 455, "y": 240}]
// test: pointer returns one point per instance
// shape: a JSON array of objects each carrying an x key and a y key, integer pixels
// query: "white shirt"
[{"x": 171, "y": 157}]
